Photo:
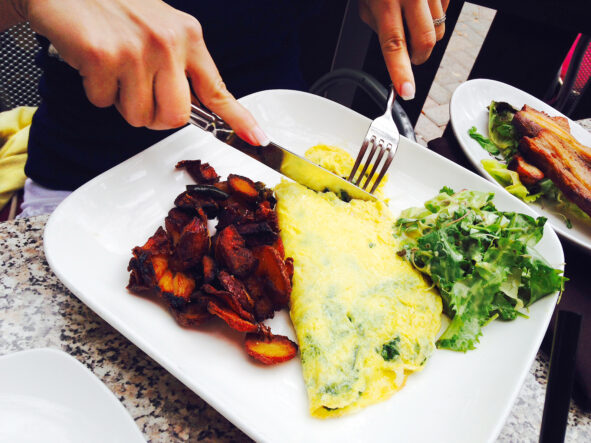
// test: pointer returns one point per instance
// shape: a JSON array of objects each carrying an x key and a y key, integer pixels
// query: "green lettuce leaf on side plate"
[
  {"x": 509, "y": 180},
  {"x": 480, "y": 259},
  {"x": 500, "y": 127}
]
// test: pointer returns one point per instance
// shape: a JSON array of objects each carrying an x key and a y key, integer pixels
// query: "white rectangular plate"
[{"x": 457, "y": 397}]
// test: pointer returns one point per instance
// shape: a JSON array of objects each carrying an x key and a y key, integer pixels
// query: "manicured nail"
[
  {"x": 407, "y": 91},
  {"x": 257, "y": 135}
]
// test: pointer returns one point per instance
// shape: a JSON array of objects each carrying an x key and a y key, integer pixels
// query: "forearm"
[{"x": 12, "y": 12}]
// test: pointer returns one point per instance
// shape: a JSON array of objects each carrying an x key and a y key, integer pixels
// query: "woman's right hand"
[{"x": 138, "y": 55}]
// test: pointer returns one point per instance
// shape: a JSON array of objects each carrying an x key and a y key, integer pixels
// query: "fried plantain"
[
  {"x": 231, "y": 318},
  {"x": 263, "y": 305},
  {"x": 257, "y": 233},
  {"x": 192, "y": 202},
  {"x": 210, "y": 270},
  {"x": 149, "y": 262},
  {"x": 243, "y": 186},
  {"x": 272, "y": 268},
  {"x": 192, "y": 245},
  {"x": 230, "y": 299},
  {"x": 200, "y": 172},
  {"x": 236, "y": 287},
  {"x": 270, "y": 349},
  {"x": 174, "y": 223},
  {"x": 231, "y": 252},
  {"x": 193, "y": 315}
]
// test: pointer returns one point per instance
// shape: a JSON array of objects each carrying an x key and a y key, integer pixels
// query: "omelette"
[{"x": 364, "y": 318}]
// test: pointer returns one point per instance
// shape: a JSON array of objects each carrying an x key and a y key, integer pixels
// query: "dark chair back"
[{"x": 19, "y": 76}]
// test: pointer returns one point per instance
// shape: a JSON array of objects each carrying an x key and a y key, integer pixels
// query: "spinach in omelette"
[{"x": 363, "y": 316}]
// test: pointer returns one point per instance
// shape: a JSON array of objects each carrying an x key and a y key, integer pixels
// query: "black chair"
[
  {"x": 374, "y": 89},
  {"x": 565, "y": 94},
  {"x": 19, "y": 76}
]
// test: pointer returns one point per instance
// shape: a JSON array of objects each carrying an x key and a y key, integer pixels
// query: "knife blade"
[
  {"x": 299, "y": 169},
  {"x": 280, "y": 159}
]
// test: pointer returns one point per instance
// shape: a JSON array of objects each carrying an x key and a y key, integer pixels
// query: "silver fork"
[{"x": 383, "y": 136}]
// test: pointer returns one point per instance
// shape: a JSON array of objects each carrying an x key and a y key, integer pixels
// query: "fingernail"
[
  {"x": 259, "y": 136},
  {"x": 407, "y": 91}
]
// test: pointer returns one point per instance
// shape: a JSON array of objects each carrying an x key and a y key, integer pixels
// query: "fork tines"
[{"x": 377, "y": 146}]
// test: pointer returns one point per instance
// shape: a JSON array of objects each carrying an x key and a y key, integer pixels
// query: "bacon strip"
[{"x": 548, "y": 145}]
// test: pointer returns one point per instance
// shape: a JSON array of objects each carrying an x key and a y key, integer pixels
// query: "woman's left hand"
[{"x": 387, "y": 18}]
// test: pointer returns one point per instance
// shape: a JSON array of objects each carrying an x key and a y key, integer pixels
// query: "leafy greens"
[
  {"x": 509, "y": 180},
  {"x": 500, "y": 127},
  {"x": 481, "y": 260},
  {"x": 485, "y": 143}
]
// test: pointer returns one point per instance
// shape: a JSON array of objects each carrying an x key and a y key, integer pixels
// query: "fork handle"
[{"x": 390, "y": 102}]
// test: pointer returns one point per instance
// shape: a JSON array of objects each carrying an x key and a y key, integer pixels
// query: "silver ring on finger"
[{"x": 439, "y": 21}]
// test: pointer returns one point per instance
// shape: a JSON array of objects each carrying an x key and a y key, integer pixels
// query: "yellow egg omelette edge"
[{"x": 364, "y": 318}]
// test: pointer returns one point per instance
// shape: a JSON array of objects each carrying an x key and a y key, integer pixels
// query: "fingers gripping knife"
[
  {"x": 383, "y": 137},
  {"x": 299, "y": 168},
  {"x": 279, "y": 159}
]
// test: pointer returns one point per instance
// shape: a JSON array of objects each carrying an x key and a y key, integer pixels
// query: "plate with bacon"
[{"x": 530, "y": 150}]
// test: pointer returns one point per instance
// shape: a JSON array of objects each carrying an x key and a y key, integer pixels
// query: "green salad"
[
  {"x": 502, "y": 146},
  {"x": 480, "y": 259}
]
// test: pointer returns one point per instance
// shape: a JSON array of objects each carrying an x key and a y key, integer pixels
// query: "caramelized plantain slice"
[
  {"x": 182, "y": 285},
  {"x": 236, "y": 287},
  {"x": 230, "y": 251},
  {"x": 224, "y": 187},
  {"x": 266, "y": 194},
  {"x": 290, "y": 269},
  {"x": 257, "y": 233},
  {"x": 174, "y": 222},
  {"x": 270, "y": 349},
  {"x": 272, "y": 267},
  {"x": 190, "y": 314},
  {"x": 210, "y": 270},
  {"x": 145, "y": 271},
  {"x": 142, "y": 278},
  {"x": 200, "y": 172},
  {"x": 230, "y": 299},
  {"x": 160, "y": 265},
  {"x": 279, "y": 246},
  {"x": 231, "y": 318},
  {"x": 234, "y": 213},
  {"x": 243, "y": 186},
  {"x": 159, "y": 243},
  {"x": 264, "y": 308},
  {"x": 265, "y": 213},
  {"x": 263, "y": 305},
  {"x": 192, "y": 202},
  {"x": 165, "y": 283},
  {"x": 192, "y": 245}
]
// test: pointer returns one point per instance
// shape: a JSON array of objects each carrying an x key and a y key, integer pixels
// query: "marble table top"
[{"x": 37, "y": 311}]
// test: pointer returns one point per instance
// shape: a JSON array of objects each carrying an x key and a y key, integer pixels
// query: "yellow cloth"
[{"x": 14, "y": 138}]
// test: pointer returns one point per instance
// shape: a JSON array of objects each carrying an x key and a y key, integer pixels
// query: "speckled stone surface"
[{"x": 37, "y": 311}]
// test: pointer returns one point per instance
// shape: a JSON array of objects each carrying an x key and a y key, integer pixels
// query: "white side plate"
[
  {"x": 468, "y": 108},
  {"x": 457, "y": 398},
  {"x": 47, "y": 395}
]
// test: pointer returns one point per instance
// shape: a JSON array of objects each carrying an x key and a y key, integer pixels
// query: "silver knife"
[{"x": 280, "y": 159}]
